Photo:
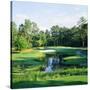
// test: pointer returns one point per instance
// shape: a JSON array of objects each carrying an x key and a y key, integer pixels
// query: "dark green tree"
[
  {"x": 82, "y": 30},
  {"x": 48, "y": 38},
  {"x": 55, "y": 34}
]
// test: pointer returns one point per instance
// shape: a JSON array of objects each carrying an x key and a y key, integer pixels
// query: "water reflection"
[
  {"x": 49, "y": 65},
  {"x": 52, "y": 63}
]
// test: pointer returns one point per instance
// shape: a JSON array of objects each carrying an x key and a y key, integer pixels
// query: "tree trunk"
[
  {"x": 57, "y": 42},
  {"x": 82, "y": 43}
]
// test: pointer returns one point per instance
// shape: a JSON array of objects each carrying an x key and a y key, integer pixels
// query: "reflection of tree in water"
[
  {"x": 57, "y": 60},
  {"x": 53, "y": 62}
]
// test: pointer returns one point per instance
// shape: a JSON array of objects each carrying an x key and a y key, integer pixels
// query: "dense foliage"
[{"x": 29, "y": 35}]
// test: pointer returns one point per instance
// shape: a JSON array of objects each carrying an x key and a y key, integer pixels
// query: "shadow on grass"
[
  {"x": 26, "y": 61},
  {"x": 34, "y": 84}
]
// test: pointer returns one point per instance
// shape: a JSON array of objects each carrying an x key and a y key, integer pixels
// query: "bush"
[{"x": 22, "y": 43}]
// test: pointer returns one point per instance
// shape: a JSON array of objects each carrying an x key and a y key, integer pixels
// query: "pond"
[{"x": 53, "y": 59}]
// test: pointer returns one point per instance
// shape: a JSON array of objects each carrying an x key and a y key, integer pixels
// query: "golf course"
[
  {"x": 28, "y": 68},
  {"x": 49, "y": 44}
]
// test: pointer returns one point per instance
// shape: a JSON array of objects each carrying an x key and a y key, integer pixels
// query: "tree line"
[{"x": 28, "y": 35}]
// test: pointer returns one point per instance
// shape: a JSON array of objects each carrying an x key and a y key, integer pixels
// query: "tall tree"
[
  {"x": 42, "y": 38},
  {"x": 82, "y": 30},
  {"x": 35, "y": 34},
  {"x": 48, "y": 36},
  {"x": 55, "y": 34},
  {"x": 25, "y": 31},
  {"x": 13, "y": 33}
]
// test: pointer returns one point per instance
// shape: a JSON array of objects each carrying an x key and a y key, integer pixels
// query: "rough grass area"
[
  {"x": 65, "y": 80},
  {"x": 31, "y": 78}
]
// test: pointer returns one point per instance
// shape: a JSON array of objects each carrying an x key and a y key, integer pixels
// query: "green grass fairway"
[
  {"x": 79, "y": 60},
  {"x": 66, "y": 50}
]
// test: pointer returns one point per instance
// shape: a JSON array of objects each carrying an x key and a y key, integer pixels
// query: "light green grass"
[
  {"x": 76, "y": 60},
  {"x": 34, "y": 54}
]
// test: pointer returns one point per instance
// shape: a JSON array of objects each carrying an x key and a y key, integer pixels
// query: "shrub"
[{"x": 22, "y": 43}]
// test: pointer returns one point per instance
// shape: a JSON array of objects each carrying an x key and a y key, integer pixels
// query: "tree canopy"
[{"x": 29, "y": 35}]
